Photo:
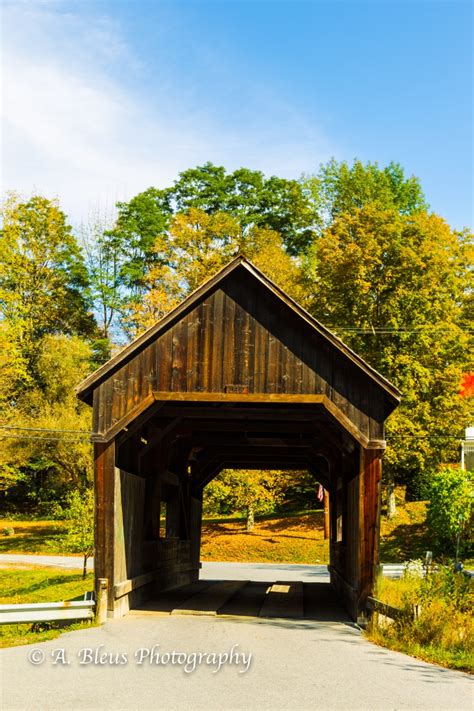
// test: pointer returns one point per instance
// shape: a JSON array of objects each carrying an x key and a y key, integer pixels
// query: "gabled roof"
[{"x": 85, "y": 389}]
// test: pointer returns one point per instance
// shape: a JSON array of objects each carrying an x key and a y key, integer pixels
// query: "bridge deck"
[{"x": 284, "y": 599}]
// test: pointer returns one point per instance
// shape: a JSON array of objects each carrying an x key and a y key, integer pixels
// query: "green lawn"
[
  {"x": 35, "y": 536},
  {"x": 296, "y": 537},
  {"x": 35, "y": 584}
]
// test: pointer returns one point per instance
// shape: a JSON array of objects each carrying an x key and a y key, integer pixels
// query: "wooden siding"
[
  {"x": 129, "y": 507},
  {"x": 240, "y": 338}
]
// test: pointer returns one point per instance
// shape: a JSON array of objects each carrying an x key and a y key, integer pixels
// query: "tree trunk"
[
  {"x": 84, "y": 569},
  {"x": 250, "y": 517},
  {"x": 391, "y": 506}
]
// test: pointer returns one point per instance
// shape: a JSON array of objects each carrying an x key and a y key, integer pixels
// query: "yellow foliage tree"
[{"x": 196, "y": 247}]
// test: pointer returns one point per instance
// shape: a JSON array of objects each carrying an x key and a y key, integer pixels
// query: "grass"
[
  {"x": 42, "y": 537},
  {"x": 444, "y": 631},
  {"x": 291, "y": 538},
  {"x": 296, "y": 538},
  {"x": 404, "y": 537},
  {"x": 35, "y": 584}
]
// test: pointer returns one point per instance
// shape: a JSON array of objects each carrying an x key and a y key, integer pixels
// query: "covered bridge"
[{"x": 237, "y": 376}]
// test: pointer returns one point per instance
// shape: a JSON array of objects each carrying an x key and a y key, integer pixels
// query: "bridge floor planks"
[
  {"x": 210, "y": 600},
  {"x": 240, "y": 598}
]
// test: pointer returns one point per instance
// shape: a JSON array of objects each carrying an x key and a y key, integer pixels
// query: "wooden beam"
[
  {"x": 223, "y": 411},
  {"x": 265, "y": 398},
  {"x": 124, "y": 421},
  {"x": 247, "y": 462},
  {"x": 136, "y": 425},
  {"x": 273, "y": 398},
  {"x": 160, "y": 436},
  {"x": 224, "y": 425}
]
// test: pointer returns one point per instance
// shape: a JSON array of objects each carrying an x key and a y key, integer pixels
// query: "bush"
[
  {"x": 79, "y": 516},
  {"x": 450, "y": 510}
]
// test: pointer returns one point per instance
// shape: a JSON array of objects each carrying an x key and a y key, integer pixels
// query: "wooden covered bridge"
[{"x": 237, "y": 376}]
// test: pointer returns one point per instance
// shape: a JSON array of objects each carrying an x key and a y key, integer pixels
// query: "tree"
[
  {"x": 45, "y": 317},
  {"x": 140, "y": 221},
  {"x": 254, "y": 200},
  {"x": 197, "y": 246},
  {"x": 14, "y": 373},
  {"x": 340, "y": 188},
  {"x": 48, "y": 446},
  {"x": 450, "y": 509},
  {"x": 79, "y": 515},
  {"x": 248, "y": 490},
  {"x": 106, "y": 256},
  {"x": 43, "y": 279},
  {"x": 393, "y": 287},
  {"x": 248, "y": 196}
]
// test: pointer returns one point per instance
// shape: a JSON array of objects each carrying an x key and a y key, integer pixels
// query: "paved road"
[
  {"x": 50, "y": 561},
  {"x": 294, "y": 665},
  {"x": 265, "y": 572},
  {"x": 254, "y": 571}
]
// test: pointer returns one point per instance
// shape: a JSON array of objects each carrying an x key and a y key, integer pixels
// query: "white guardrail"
[{"x": 47, "y": 612}]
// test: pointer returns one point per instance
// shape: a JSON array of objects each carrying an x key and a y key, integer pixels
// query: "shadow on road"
[{"x": 289, "y": 600}]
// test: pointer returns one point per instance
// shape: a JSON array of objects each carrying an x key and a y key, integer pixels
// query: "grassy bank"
[
  {"x": 444, "y": 631},
  {"x": 296, "y": 538},
  {"x": 291, "y": 538},
  {"x": 34, "y": 584},
  {"x": 33, "y": 536}
]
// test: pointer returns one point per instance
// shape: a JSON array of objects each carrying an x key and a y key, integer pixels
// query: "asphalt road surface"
[
  {"x": 393, "y": 570},
  {"x": 162, "y": 661}
]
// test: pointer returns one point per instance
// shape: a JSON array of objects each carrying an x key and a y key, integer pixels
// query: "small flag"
[{"x": 320, "y": 494}]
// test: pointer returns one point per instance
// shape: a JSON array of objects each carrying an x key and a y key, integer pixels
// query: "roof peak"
[{"x": 85, "y": 389}]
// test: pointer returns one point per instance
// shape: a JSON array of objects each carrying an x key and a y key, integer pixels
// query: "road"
[
  {"x": 255, "y": 570},
  {"x": 295, "y": 664}
]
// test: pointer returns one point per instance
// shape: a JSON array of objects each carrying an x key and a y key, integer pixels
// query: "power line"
[
  {"x": 48, "y": 438},
  {"x": 375, "y": 331},
  {"x": 43, "y": 429},
  {"x": 44, "y": 439},
  {"x": 427, "y": 436}
]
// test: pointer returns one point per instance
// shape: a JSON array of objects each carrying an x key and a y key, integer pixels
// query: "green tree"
[
  {"x": 248, "y": 196},
  {"x": 250, "y": 491},
  {"x": 393, "y": 287},
  {"x": 339, "y": 188},
  {"x": 140, "y": 221},
  {"x": 451, "y": 509},
  {"x": 79, "y": 515},
  {"x": 196, "y": 246},
  {"x": 47, "y": 443},
  {"x": 254, "y": 200},
  {"x": 43, "y": 279}
]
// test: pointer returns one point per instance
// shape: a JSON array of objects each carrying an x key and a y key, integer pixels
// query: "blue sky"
[{"x": 103, "y": 99}]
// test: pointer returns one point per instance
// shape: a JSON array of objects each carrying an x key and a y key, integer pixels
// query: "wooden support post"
[
  {"x": 195, "y": 522},
  {"x": 104, "y": 464},
  {"x": 326, "y": 515},
  {"x": 369, "y": 521}
]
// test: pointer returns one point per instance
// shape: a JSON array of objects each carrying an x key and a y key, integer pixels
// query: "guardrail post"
[{"x": 101, "y": 604}]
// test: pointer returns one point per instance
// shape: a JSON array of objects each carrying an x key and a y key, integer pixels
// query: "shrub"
[
  {"x": 450, "y": 510},
  {"x": 80, "y": 525}
]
